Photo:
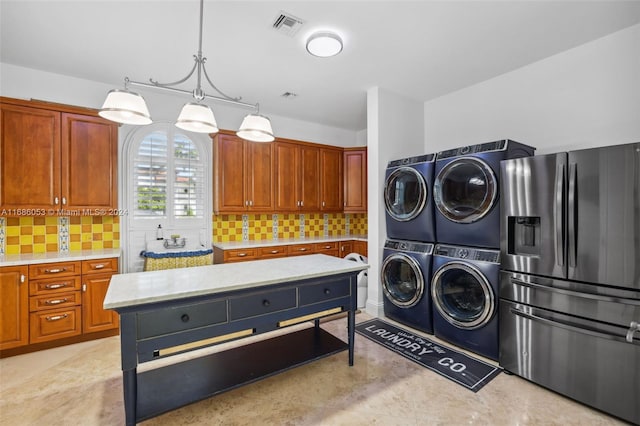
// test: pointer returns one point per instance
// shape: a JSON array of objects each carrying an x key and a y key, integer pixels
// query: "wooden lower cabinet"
[
  {"x": 331, "y": 248},
  {"x": 14, "y": 306},
  {"x": 51, "y": 304}
]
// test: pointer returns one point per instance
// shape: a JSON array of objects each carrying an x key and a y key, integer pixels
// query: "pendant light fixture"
[{"x": 124, "y": 106}]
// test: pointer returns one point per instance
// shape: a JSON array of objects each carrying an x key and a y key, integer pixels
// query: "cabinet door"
[
  {"x": 355, "y": 181},
  {"x": 259, "y": 162},
  {"x": 309, "y": 178},
  {"x": 287, "y": 176},
  {"x": 14, "y": 307},
  {"x": 29, "y": 157},
  {"x": 346, "y": 247},
  {"x": 331, "y": 179},
  {"x": 230, "y": 176},
  {"x": 94, "y": 316},
  {"x": 89, "y": 162}
]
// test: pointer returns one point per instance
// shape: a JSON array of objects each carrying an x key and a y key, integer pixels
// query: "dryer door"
[
  {"x": 465, "y": 190},
  {"x": 405, "y": 193},
  {"x": 462, "y": 295},
  {"x": 402, "y": 280}
]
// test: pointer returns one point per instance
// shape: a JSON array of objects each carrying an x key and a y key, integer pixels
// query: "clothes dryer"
[
  {"x": 405, "y": 274},
  {"x": 466, "y": 192},
  {"x": 408, "y": 200},
  {"x": 464, "y": 293}
]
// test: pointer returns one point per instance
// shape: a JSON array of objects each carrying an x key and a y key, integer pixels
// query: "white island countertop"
[{"x": 172, "y": 284}]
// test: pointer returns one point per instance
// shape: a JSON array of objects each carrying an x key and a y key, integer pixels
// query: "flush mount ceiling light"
[
  {"x": 324, "y": 44},
  {"x": 124, "y": 106}
]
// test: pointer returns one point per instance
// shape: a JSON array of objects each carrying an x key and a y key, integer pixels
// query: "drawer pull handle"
[
  {"x": 56, "y": 301},
  {"x": 327, "y": 247},
  {"x": 266, "y": 303},
  {"x": 184, "y": 318},
  {"x": 242, "y": 254},
  {"x": 57, "y": 317},
  {"x": 55, "y": 271},
  {"x": 302, "y": 249},
  {"x": 99, "y": 266},
  {"x": 275, "y": 251},
  {"x": 327, "y": 291},
  {"x": 54, "y": 286}
]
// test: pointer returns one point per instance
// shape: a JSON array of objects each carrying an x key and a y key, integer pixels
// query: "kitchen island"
[{"x": 164, "y": 313}]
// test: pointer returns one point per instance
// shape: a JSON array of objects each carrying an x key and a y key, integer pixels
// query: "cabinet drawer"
[
  {"x": 261, "y": 303},
  {"x": 180, "y": 318},
  {"x": 54, "y": 324},
  {"x": 274, "y": 251},
  {"x": 49, "y": 270},
  {"x": 299, "y": 249},
  {"x": 238, "y": 255},
  {"x": 97, "y": 266},
  {"x": 328, "y": 290},
  {"x": 55, "y": 285},
  {"x": 54, "y": 301},
  {"x": 326, "y": 247}
]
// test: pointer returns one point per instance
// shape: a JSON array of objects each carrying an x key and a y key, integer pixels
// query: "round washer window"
[
  {"x": 465, "y": 190},
  {"x": 402, "y": 280},
  {"x": 405, "y": 193},
  {"x": 462, "y": 295}
]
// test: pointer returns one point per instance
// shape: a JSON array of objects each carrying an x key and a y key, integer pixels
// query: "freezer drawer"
[
  {"x": 589, "y": 361},
  {"x": 602, "y": 303}
]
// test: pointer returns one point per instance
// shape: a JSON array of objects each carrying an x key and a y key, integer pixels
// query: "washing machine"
[
  {"x": 407, "y": 199},
  {"x": 466, "y": 192},
  {"x": 405, "y": 274},
  {"x": 464, "y": 294}
]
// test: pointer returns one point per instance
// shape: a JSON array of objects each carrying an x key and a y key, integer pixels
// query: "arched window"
[{"x": 166, "y": 180}]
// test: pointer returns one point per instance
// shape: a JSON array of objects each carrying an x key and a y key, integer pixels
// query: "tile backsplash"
[
  {"x": 20, "y": 235},
  {"x": 250, "y": 227}
]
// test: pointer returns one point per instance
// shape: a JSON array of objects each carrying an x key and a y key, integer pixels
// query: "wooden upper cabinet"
[
  {"x": 53, "y": 156},
  {"x": 331, "y": 177},
  {"x": 297, "y": 177},
  {"x": 355, "y": 180},
  {"x": 89, "y": 158},
  {"x": 29, "y": 157},
  {"x": 243, "y": 176}
]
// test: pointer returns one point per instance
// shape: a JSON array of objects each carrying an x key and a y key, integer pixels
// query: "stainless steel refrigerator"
[{"x": 570, "y": 279}]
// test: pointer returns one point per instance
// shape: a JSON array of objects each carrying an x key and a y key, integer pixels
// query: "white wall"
[
  {"x": 395, "y": 129},
  {"x": 26, "y": 83},
  {"x": 585, "y": 97}
]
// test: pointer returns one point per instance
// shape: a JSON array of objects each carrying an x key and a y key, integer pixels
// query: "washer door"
[
  {"x": 462, "y": 295},
  {"x": 465, "y": 190},
  {"x": 405, "y": 194},
  {"x": 402, "y": 280}
]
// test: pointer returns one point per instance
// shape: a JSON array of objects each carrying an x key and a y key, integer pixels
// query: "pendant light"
[{"x": 124, "y": 106}]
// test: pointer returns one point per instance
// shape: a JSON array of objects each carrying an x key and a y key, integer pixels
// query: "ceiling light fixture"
[
  {"x": 124, "y": 106},
  {"x": 324, "y": 44}
]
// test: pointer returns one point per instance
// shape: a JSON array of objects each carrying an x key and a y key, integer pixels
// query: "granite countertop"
[
  {"x": 140, "y": 288},
  {"x": 286, "y": 242},
  {"x": 33, "y": 258}
]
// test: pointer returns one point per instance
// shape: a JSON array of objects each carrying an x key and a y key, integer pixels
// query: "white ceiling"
[{"x": 421, "y": 49}]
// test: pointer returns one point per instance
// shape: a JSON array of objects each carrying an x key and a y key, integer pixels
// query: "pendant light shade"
[
  {"x": 123, "y": 106},
  {"x": 197, "y": 118},
  {"x": 256, "y": 128}
]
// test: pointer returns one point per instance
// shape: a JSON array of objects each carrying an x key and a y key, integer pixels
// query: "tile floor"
[{"x": 81, "y": 385}]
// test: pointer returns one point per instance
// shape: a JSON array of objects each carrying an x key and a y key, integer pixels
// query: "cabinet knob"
[
  {"x": 64, "y": 201},
  {"x": 55, "y": 201},
  {"x": 266, "y": 303},
  {"x": 184, "y": 318},
  {"x": 21, "y": 278},
  {"x": 327, "y": 291}
]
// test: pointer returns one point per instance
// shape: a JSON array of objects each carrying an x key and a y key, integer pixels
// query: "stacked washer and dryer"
[{"x": 459, "y": 302}]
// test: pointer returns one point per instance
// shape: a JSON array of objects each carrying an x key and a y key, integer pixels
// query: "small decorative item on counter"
[{"x": 159, "y": 234}]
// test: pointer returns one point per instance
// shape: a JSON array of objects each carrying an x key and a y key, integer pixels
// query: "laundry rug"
[{"x": 469, "y": 372}]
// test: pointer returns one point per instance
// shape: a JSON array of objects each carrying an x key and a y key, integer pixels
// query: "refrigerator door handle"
[
  {"x": 558, "y": 208},
  {"x": 574, "y": 293},
  {"x": 572, "y": 212},
  {"x": 568, "y": 326}
]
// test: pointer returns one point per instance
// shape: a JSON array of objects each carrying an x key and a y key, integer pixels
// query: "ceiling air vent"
[{"x": 287, "y": 24}]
